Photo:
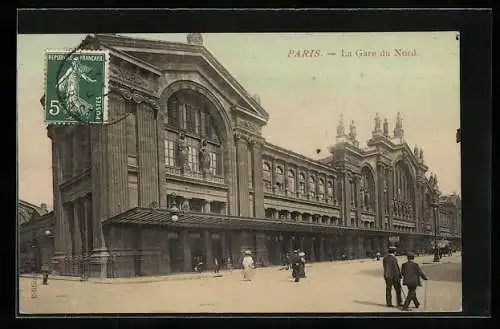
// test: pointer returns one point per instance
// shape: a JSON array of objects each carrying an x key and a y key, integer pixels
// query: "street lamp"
[
  {"x": 173, "y": 209},
  {"x": 435, "y": 205}
]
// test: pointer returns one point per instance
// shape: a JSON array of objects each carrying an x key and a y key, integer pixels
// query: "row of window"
[
  {"x": 291, "y": 183},
  {"x": 317, "y": 190},
  {"x": 191, "y": 115}
]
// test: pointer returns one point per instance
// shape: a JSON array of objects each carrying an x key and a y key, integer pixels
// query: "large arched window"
[
  {"x": 321, "y": 189},
  {"x": 280, "y": 178},
  {"x": 267, "y": 175},
  {"x": 312, "y": 187},
  {"x": 192, "y": 143},
  {"x": 404, "y": 191},
  {"x": 291, "y": 181},
  {"x": 367, "y": 189},
  {"x": 302, "y": 184}
]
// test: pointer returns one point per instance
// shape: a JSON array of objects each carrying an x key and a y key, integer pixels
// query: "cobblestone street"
[{"x": 354, "y": 286}]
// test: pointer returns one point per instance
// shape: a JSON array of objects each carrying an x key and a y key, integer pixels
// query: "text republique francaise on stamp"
[{"x": 76, "y": 86}]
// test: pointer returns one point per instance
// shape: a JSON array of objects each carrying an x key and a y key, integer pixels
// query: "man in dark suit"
[
  {"x": 392, "y": 276},
  {"x": 295, "y": 263},
  {"x": 411, "y": 278}
]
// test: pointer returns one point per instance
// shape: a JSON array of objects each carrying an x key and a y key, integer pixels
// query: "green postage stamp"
[{"x": 76, "y": 86}]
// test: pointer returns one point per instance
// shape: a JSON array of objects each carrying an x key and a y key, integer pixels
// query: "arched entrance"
[{"x": 198, "y": 136}]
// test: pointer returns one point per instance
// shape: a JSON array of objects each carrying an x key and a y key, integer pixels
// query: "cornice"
[{"x": 134, "y": 95}]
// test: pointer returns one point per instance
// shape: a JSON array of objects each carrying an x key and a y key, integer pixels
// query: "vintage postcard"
[{"x": 239, "y": 173}]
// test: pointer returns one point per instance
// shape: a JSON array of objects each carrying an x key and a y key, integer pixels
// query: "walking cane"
[{"x": 425, "y": 295}]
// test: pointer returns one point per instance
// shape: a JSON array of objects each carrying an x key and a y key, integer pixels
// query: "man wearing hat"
[
  {"x": 412, "y": 273},
  {"x": 392, "y": 276},
  {"x": 296, "y": 263},
  {"x": 248, "y": 265}
]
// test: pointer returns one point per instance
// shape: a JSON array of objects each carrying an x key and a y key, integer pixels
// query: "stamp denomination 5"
[{"x": 75, "y": 86}]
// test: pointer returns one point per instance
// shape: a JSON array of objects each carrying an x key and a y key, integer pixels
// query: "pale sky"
[{"x": 304, "y": 96}]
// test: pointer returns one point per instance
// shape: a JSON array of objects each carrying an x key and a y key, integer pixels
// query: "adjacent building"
[
  {"x": 35, "y": 238},
  {"x": 183, "y": 133}
]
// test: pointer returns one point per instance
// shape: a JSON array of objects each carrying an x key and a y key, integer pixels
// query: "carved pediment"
[
  {"x": 133, "y": 76},
  {"x": 174, "y": 55}
]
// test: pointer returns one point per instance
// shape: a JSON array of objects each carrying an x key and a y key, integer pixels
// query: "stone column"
[
  {"x": 242, "y": 158},
  {"x": 377, "y": 244},
  {"x": 61, "y": 228},
  {"x": 207, "y": 206},
  {"x": 116, "y": 157},
  {"x": 273, "y": 174},
  {"x": 164, "y": 267},
  {"x": 359, "y": 197},
  {"x": 297, "y": 182},
  {"x": 335, "y": 187},
  {"x": 285, "y": 177},
  {"x": 258, "y": 189},
  {"x": 290, "y": 243},
  {"x": 86, "y": 226},
  {"x": 186, "y": 247},
  {"x": 261, "y": 254},
  {"x": 321, "y": 249},
  {"x": 380, "y": 208},
  {"x": 207, "y": 239},
  {"x": 417, "y": 207},
  {"x": 349, "y": 245},
  {"x": 316, "y": 186},
  {"x": 346, "y": 200},
  {"x": 368, "y": 244},
  {"x": 231, "y": 175},
  {"x": 358, "y": 246},
  {"x": 67, "y": 224},
  {"x": 277, "y": 248},
  {"x": 147, "y": 156},
  {"x": 384, "y": 243},
  {"x": 311, "y": 244},
  {"x": 307, "y": 173},
  {"x": 223, "y": 240},
  {"x": 99, "y": 183},
  {"x": 390, "y": 191},
  {"x": 77, "y": 237},
  {"x": 76, "y": 163},
  {"x": 162, "y": 183}
]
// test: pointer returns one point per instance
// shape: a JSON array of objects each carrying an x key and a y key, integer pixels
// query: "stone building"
[
  {"x": 182, "y": 131},
  {"x": 36, "y": 247}
]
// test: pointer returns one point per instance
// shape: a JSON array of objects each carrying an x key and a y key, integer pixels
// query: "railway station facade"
[{"x": 182, "y": 131}]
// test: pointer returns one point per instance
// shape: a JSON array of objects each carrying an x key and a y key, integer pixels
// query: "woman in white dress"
[{"x": 248, "y": 265}]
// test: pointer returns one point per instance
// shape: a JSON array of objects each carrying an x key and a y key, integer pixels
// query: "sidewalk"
[
  {"x": 426, "y": 259},
  {"x": 145, "y": 279}
]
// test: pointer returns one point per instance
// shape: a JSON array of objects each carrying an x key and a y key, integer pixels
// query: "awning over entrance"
[{"x": 162, "y": 217}]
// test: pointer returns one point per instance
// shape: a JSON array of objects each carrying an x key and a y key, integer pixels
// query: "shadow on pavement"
[
  {"x": 373, "y": 304},
  {"x": 451, "y": 272}
]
